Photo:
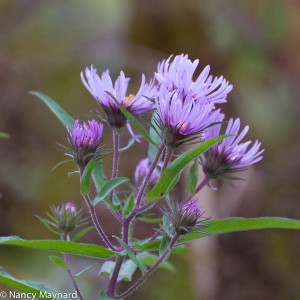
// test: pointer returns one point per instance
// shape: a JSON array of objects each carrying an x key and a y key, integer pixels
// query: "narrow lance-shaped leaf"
[
  {"x": 229, "y": 225},
  {"x": 149, "y": 260},
  {"x": 166, "y": 180},
  {"x": 133, "y": 120},
  {"x": 85, "y": 182},
  {"x": 128, "y": 206},
  {"x": 85, "y": 270},
  {"x": 154, "y": 130},
  {"x": 131, "y": 255},
  {"x": 82, "y": 233},
  {"x": 58, "y": 262},
  {"x": 61, "y": 114},
  {"x": 98, "y": 175},
  {"x": 108, "y": 187},
  {"x": 27, "y": 286},
  {"x": 90, "y": 250},
  {"x": 192, "y": 179}
]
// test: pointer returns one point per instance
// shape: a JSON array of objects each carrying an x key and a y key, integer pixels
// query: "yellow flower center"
[
  {"x": 128, "y": 99},
  {"x": 181, "y": 125}
]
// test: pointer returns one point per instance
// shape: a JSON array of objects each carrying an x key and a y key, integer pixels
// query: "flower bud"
[
  {"x": 142, "y": 170},
  {"x": 84, "y": 140},
  {"x": 185, "y": 217}
]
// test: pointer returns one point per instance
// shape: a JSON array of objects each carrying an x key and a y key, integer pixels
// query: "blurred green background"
[{"x": 44, "y": 45}]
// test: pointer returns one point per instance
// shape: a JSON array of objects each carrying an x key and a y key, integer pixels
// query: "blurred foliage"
[{"x": 44, "y": 45}]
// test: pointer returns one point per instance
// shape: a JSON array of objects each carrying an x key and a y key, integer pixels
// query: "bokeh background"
[{"x": 44, "y": 45}]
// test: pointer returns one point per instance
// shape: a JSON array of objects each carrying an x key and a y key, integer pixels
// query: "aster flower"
[
  {"x": 177, "y": 75},
  {"x": 63, "y": 218},
  {"x": 84, "y": 140},
  {"x": 184, "y": 217},
  {"x": 183, "y": 121},
  {"x": 142, "y": 170},
  {"x": 103, "y": 89},
  {"x": 229, "y": 155}
]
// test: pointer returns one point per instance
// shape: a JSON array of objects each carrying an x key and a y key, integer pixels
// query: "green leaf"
[
  {"x": 128, "y": 207},
  {"x": 98, "y": 175},
  {"x": 150, "y": 220},
  {"x": 47, "y": 225},
  {"x": 150, "y": 259},
  {"x": 179, "y": 249},
  {"x": 192, "y": 179},
  {"x": 27, "y": 286},
  {"x": 154, "y": 130},
  {"x": 85, "y": 182},
  {"x": 108, "y": 187},
  {"x": 81, "y": 234},
  {"x": 90, "y": 250},
  {"x": 85, "y": 270},
  {"x": 131, "y": 255},
  {"x": 126, "y": 272},
  {"x": 229, "y": 225},
  {"x": 167, "y": 179},
  {"x": 3, "y": 135},
  {"x": 134, "y": 121},
  {"x": 61, "y": 114},
  {"x": 58, "y": 262}
]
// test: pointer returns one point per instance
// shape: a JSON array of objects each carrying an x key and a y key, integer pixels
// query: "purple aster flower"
[
  {"x": 229, "y": 155},
  {"x": 142, "y": 170},
  {"x": 84, "y": 140},
  {"x": 183, "y": 120},
  {"x": 177, "y": 75},
  {"x": 64, "y": 218},
  {"x": 185, "y": 216},
  {"x": 102, "y": 89}
]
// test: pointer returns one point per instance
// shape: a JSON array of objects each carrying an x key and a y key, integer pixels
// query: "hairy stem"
[
  {"x": 202, "y": 184},
  {"x": 116, "y": 147},
  {"x": 168, "y": 156},
  {"x": 114, "y": 279},
  {"x": 96, "y": 223},
  {"x": 66, "y": 259},
  {"x": 126, "y": 221},
  {"x": 138, "y": 283}
]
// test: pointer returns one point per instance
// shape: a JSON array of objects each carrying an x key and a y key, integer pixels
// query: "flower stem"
[
  {"x": 116, "y": 141},
  {"x": 66, "y": 259},
  {"x": 147, "y": 177},
  {"x": 168, "y": 156},
  {"x": 138, "y": 283},
  {"x": 113, "y": 282},
  {"x": 126, "y": 221},
  {"x": 202, "y": 184},
  {"x": 96, "y": 223}
]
